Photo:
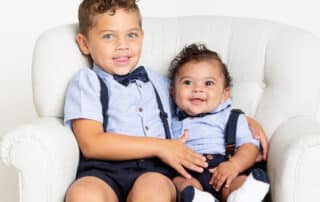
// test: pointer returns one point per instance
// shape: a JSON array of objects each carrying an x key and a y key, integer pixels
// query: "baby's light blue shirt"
[
  {"x": 206, "y": 134},
  {"x": 132, "y": 110}
]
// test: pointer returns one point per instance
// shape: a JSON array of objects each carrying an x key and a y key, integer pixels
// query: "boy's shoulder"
[
  {"x": 85, "y": 78},
  {"x": 85, "y": 74}
]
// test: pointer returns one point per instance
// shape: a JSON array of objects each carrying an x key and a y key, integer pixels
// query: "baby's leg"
[
  {"x": 153, "y": 187},
  {"x": 248, "y": 189},
  {"x": 90, "y": 189},
  {"x": 192, "y": 191},
  {"x": 182, "y": 183}
]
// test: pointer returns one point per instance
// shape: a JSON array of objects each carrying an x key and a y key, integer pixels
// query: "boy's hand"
[
  {"x": 224, "y": 173},
  {"x": 176, "y": 154},
  {"x": 259, "y": 134}
]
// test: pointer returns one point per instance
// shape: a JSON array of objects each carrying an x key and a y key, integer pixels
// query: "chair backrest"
[{"x": 275, "y": 67}]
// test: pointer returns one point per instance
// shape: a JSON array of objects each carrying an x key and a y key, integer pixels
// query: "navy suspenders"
[
  {"x": 104, "y": 98},
  {"x": 230, "y": 138},
  {"x": 231, "y": 131}
]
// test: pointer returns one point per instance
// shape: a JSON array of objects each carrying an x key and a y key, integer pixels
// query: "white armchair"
[{"x": 275, "y": 70}]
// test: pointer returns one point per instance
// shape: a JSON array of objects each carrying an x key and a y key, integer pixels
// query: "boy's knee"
[
  {"x": 90, "y": 189},
  {"x": 150, "y": 185}
]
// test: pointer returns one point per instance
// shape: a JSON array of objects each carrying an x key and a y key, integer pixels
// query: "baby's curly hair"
[
  {"x": 197, "y": 53},
  {"x": 88, "y": 9}
]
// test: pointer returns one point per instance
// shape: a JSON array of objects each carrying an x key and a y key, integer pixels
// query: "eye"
[
  {"x": 108, "y": 36},
  {"x": 132, "y": 35},
  {"x": 187, "y": 82},
  {"x": 209, "y": 83}
]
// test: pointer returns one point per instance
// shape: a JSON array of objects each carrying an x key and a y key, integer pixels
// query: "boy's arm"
[
  {"x": 243, "y": 159},
  {"x": 258, "y": 133},
  {"x": 96, "y": 144}
]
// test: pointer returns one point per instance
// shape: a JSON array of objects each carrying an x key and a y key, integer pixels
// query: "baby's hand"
[
  {"x": 224, "y": 173},
  {"x": 176, "y": 154}
]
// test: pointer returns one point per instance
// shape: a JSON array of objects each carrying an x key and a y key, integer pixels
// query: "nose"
[
  {"x": 198, "y": 88},
  {"x": 121, "y": 43}
]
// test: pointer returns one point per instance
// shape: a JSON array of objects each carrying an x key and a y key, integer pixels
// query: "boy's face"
[
  {"x": 199, "y": 87},
  {"x": 114, "y": 42}
]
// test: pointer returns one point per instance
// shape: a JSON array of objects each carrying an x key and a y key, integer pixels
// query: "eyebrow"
[
  {"x": 205, "y": 78},
  {"x": 112, "y": 30}
]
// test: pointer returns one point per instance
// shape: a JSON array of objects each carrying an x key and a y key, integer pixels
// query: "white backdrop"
[{"x": 22, "y": 21}]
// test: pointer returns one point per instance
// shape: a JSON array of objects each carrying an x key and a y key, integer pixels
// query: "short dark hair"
[
  {"x": 197, "y": 53},
  {"x": 88, "y": 9}
]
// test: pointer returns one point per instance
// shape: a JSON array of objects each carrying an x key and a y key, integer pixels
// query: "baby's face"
[
  {"x": 114, "y": 42},
  {"x": 199, "y": 87}
]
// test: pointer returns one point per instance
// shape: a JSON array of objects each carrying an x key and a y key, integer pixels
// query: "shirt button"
[
  {"x": 140, "y": 109},
  {"x": 146, "y": 127}
]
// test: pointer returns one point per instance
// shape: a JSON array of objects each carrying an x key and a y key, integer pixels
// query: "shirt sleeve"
[
  {"x": 83, "y": 98},
  {"x": 244, "y": 134}
]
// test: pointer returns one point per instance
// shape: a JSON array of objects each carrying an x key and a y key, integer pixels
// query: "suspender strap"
[
  {"x": 104, "y": 99},
  {"x": 163, "y": 115},
  {"x": 231, "y": 131}
]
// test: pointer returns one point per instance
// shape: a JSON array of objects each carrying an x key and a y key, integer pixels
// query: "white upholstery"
[{"x": 275, "y": 70}]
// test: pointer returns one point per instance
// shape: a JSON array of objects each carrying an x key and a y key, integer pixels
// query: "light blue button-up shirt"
[
  {"x": 132, "y": 110},
  {"x": 206, "y": 134}
]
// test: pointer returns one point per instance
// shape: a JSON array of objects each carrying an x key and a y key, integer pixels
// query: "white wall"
[{"x": 22, "y": 21}]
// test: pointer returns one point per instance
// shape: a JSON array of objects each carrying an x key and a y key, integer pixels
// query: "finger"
[
  {"x": 259, "y": 157},
  {"x": 264, "y": 145},
  {"x": 195, "y": 158},
  {"x": 212, "y": 170},
  {"x": 182, "y": 171},
  {"x": 212, "y": 176},
  {"x": 228, "y": 182},
  {"x": 191, "y": 166},
  {"x": 220, "y": 182},
  {"x": 184, "y": 136}
]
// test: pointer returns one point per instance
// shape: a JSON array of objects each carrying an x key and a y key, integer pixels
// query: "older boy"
[{"x": 124, "y": 154}]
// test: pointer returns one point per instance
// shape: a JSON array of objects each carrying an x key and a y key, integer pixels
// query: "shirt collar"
[{"x": 220, "y": 108}]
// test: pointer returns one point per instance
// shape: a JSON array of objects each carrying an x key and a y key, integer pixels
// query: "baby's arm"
[
  {"x": 94, "y": 143},
  {"x": 225, "y": 172}
]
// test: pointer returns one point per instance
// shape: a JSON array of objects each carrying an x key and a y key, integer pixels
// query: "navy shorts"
[
  {"x": 214, "y": 160},
  {"x": 121, "y": 175}
]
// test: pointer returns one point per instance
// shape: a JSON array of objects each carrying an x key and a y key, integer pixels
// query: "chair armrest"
[
  {"x": 293, "y": 161},
  {"x": 45, "y": 154}
]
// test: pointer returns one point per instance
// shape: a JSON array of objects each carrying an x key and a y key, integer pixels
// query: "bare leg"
[
  {"x": 90, "y": 189},
  {"x": 236, "y": 183},
  {"x": 182, "y": 183},
  {"x": 191, "y": 190},
  {"x": 247, "y": 189},
  {"x": 153, "y": 187}
]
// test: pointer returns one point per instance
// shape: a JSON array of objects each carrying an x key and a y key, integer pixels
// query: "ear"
[
  {"x": 83, "y": 44},
  {"x": 172, "y": 91},
  {"x": 226, "y": 95}
]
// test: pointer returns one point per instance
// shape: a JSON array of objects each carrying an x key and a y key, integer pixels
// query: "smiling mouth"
[
  {"x": 196, "y": 101},
  {"x": 122, "y": 60}
]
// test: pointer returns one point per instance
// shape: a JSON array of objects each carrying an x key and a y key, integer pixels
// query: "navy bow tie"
[
  {"x": 183, "y": 115},
  {"x": 137, "y": 74}
]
